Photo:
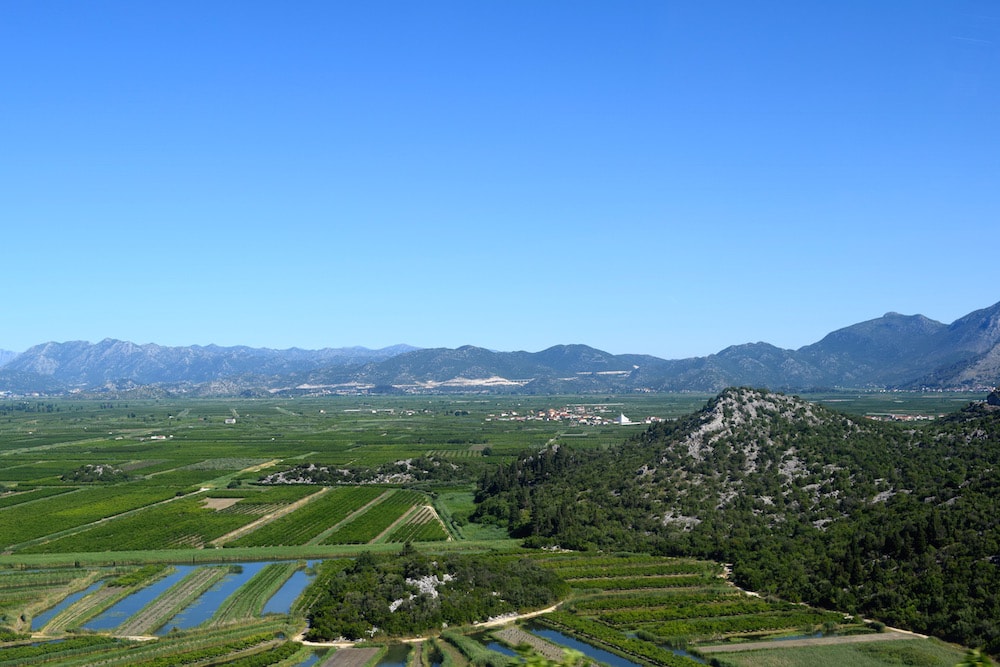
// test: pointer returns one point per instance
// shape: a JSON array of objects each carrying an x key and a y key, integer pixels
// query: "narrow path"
[
  {"x": 406, "y": 516},
  {"x": 350, "y": 517},
  {"x": 267, "y": 518},
  {"x": 492, "y": 623},
  {"x": 503, "y": 620},
  {"x": 437, "y": 517}
]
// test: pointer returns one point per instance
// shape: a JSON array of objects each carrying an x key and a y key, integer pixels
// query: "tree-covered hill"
[
  {"x": 409, "y": 593},
  {"x": 887, "y": 520}
]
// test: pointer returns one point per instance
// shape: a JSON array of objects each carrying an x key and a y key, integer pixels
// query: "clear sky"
[{"x": 666, "y": 177}]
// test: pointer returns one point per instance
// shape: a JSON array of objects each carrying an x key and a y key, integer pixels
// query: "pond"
[
  {"x": 281, "y": 602},
  {"x": 588, "y": 650},
  {"x": 208, "y": 603},
  {"x": 202, "y": 608},
  {"x": 592, "y": 651},
  {"x": 126, "y": 608},
  {"x": 395, "y": 656},
  {"x": 313, "y": 658},
  {"x": 501, "y": 648},
  {"x": 40, "y": 621}
]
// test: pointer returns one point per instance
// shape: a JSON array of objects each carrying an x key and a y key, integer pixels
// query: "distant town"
[{"x": 581, "y": 414}]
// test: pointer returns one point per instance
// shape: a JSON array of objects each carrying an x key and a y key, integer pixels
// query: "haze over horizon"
[{"x": 664, "y": 178}]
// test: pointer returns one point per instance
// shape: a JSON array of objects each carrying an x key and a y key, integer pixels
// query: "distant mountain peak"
[{"x": 892, "y": 351}]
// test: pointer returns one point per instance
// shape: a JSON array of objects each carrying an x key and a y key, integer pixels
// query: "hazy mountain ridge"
[
  {"x": 121, "y": 364},
  {"x": 894, "y": 351}
]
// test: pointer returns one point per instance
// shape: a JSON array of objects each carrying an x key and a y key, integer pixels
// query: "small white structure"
[
  {"x": 623, "y": 420},
  {"x": 230, "y": 420}
]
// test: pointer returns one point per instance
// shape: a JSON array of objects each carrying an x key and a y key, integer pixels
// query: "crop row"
[
  {"x": 616, "y": 641},
  {"x": 19, "y": 523},
  {"x": 85, "y": 609},
  {"x": 171, "y": 650},
  {"x": 422, "y": 527},
  {"x": 376, "y": 520},
  {"x": 44, "y": 472},
  {"x": 255, "y": 509},
  {"x": 34, "y": 494},
  {"x": 207, "y": 654},
  {"x": 453, "y": 453},
  {"x": 269, "y": 656},
  {"x": 178, "y": 596},
  {"x": 311, "y": 520},
  {"x": 663, "y": 568},
  {"x": 562, "y": 561},
  {"x": 638, "y": 583},
  {"x": 182, "y": 522},
  {"x": 15, "y": 579},
  {"x": 654, "y": 599},
  {"x": 20, "y": 655},
  {"x": 728, "y": 625},
  {"x": 474, "y": 652},
  {"x": 231, "y": 463},
  {"x": 268, "y": 495},
  {"x": 249, "y": 600},
  {"x": 136, "y": 576},
  {"x": 632, "y": 617}
]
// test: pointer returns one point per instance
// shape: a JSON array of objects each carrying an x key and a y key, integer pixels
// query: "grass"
[{"x": 909, "y": 652}]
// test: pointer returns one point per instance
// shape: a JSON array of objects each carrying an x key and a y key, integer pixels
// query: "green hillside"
[{"x": 893, "y": 521}]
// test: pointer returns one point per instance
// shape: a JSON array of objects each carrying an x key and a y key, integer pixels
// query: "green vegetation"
[
  {"x": 319, "y": 515},
  {"x": 811, "y": 505},
  {"x": 249, "y": 600},
  {"x": 411, "y": 593},
  {"x": 178, "y": 485},
  {"x": 914, "y": 653}
]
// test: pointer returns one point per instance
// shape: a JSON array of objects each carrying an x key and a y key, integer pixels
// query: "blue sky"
[{"x": 666, "y": 177}]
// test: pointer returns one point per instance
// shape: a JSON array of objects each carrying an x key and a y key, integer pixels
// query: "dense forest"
[
  {"x": 410, "y": 593},
  {"x": 892, "y": 521}
]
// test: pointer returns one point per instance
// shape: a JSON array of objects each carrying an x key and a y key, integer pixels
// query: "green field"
[{"x": 178, "y": 485}]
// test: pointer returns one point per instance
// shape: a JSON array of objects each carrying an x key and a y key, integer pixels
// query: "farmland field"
[{"x": 94, "y": 493}]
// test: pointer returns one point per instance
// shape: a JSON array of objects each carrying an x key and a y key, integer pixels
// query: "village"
[{"x": 596, "y": 414}]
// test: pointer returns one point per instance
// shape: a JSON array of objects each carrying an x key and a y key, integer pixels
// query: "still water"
[
  {"x": 281, "y": 602},
  {"x": 198, "y": 611},
  {"x": 206, "y": 605},
  {"x": 593, "y": 652},
  {"x": 395, "y": 656},
  {"x": 125, "y": 609},
  {"x": 39, "y": 622}
]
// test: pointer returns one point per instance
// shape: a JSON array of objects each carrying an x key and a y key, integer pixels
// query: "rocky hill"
[{"x": 892, "y": 522}]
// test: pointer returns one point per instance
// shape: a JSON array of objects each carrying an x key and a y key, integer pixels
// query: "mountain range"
[{"x": 891, "y": 352}]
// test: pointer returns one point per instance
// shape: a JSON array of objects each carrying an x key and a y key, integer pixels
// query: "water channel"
[
  {"x": 129, "y": 606},
  {"x": 591, "y": 651},
  {"x": 201, "y": 609},
  {"x": 40, "y": 621},
  {"x": 281, "y": 602}
]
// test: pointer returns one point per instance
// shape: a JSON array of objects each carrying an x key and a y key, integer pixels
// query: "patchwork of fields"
[{"x": 159, "y": 498}]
